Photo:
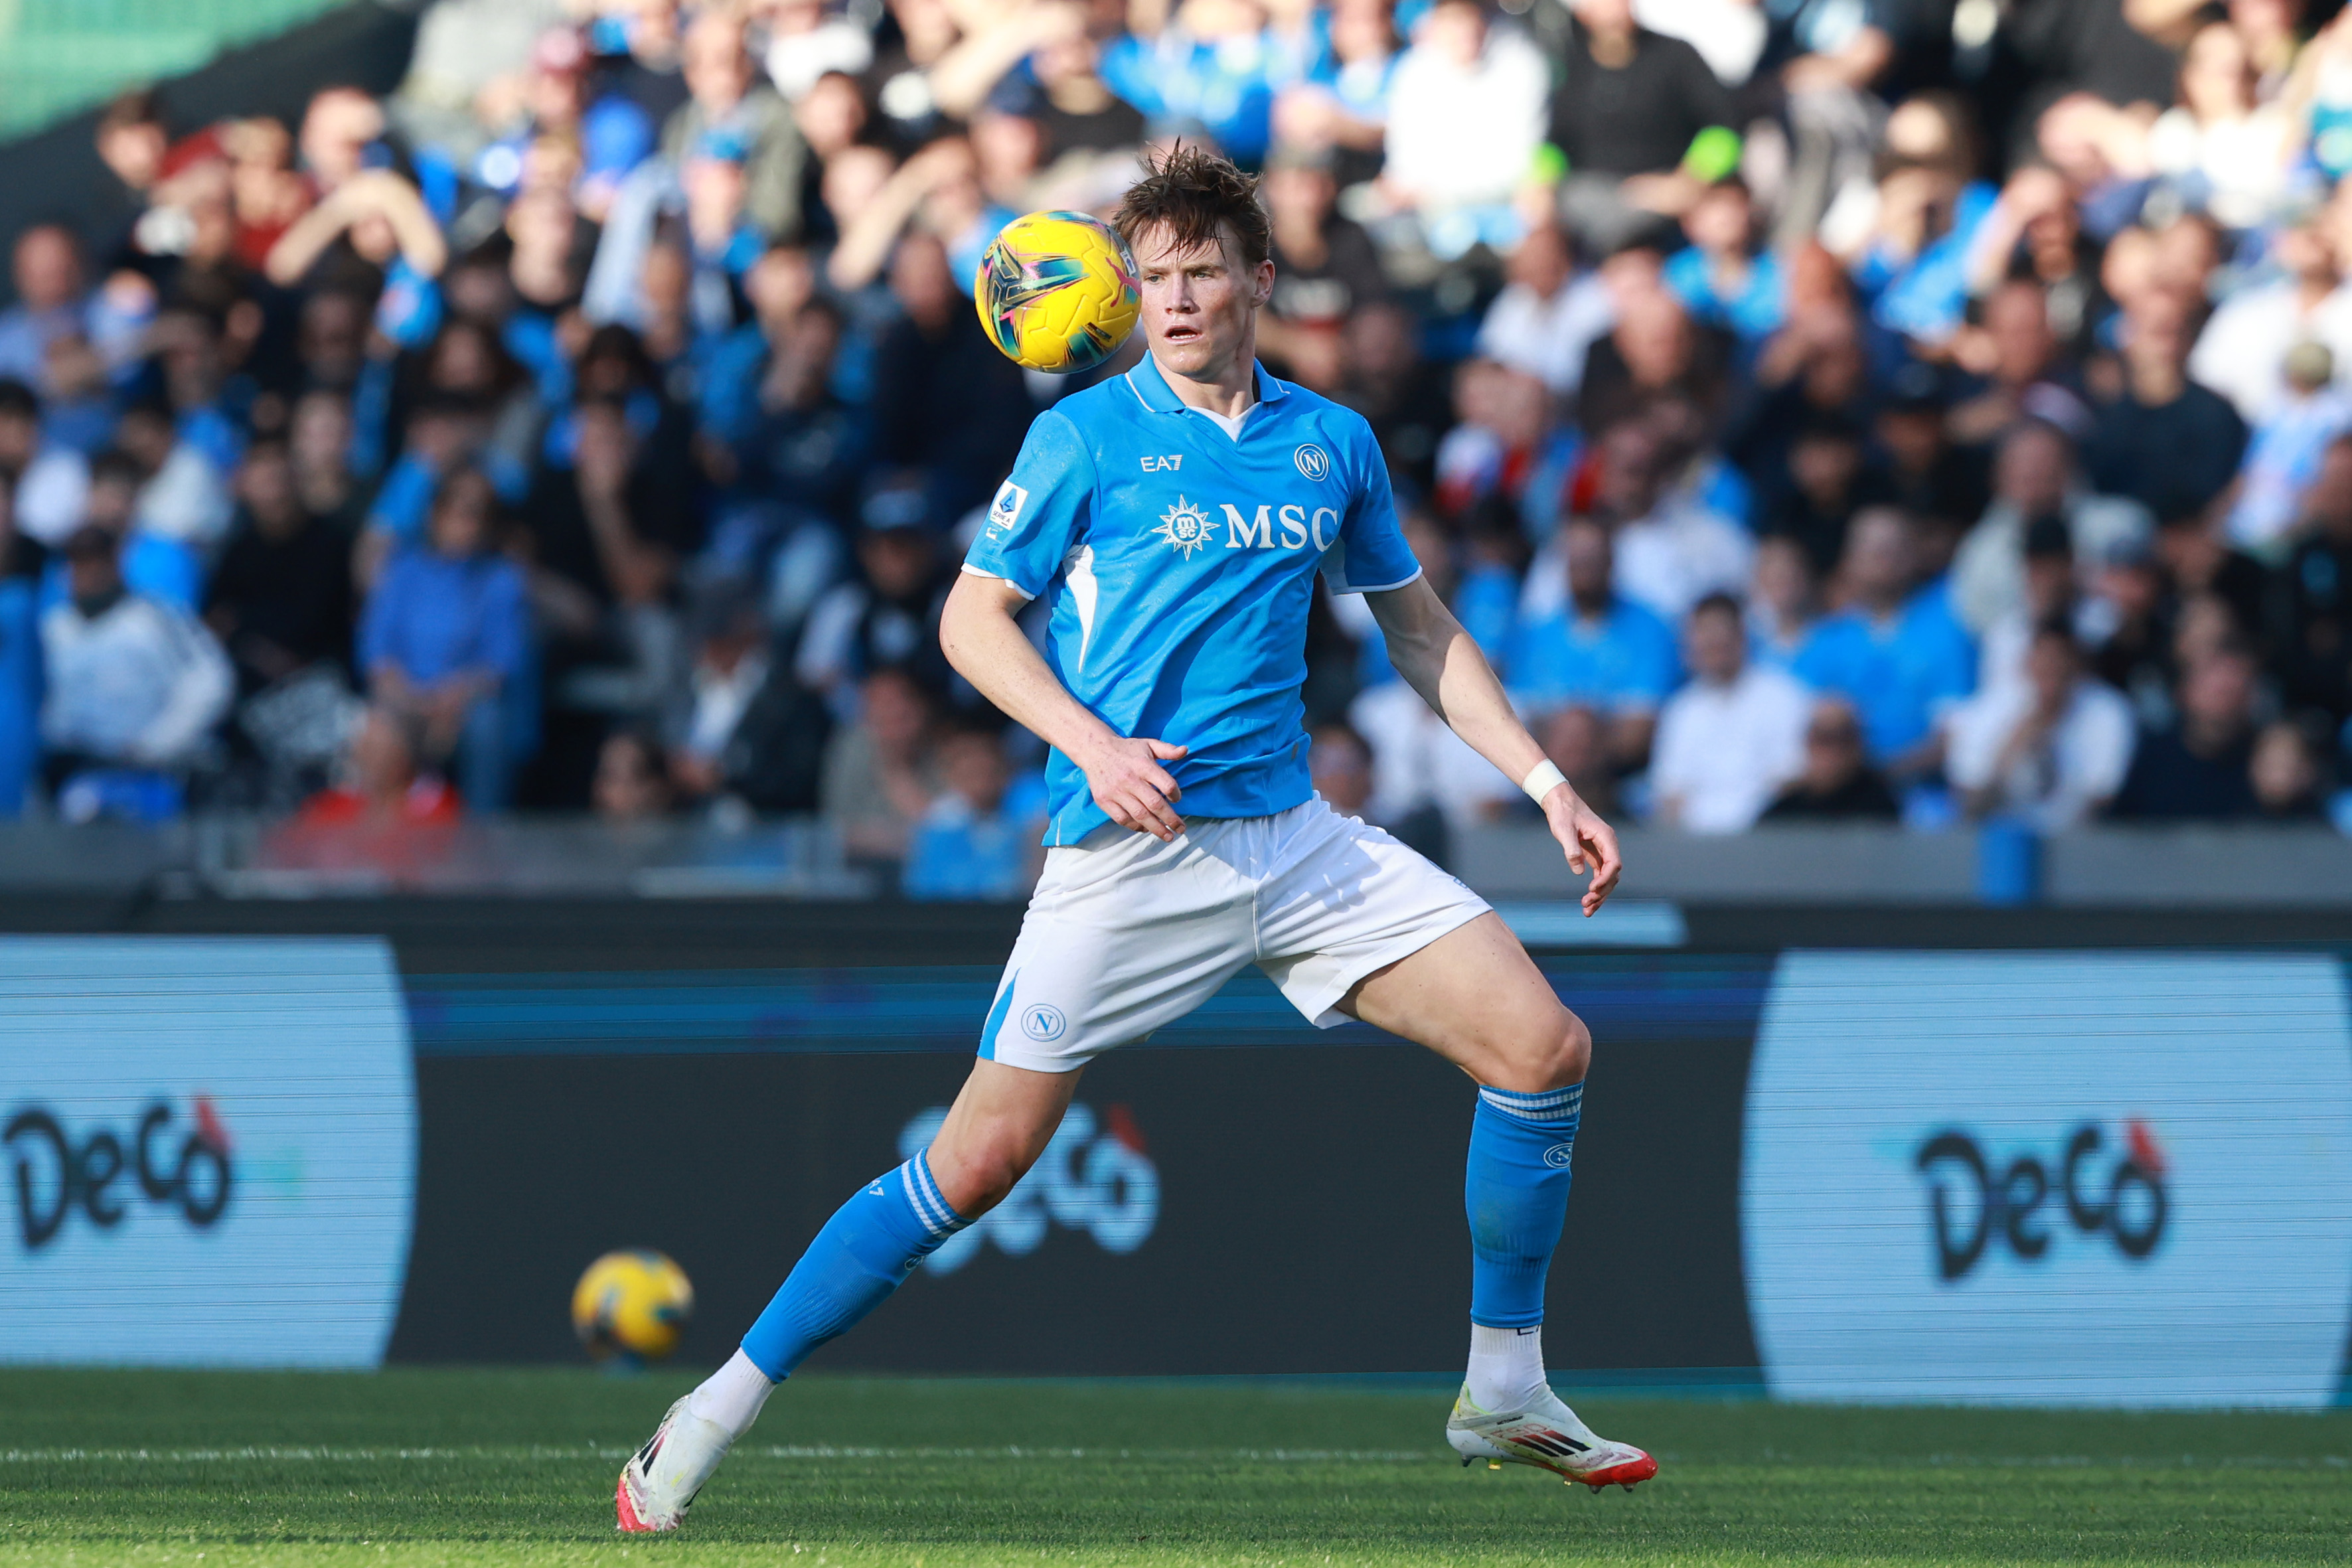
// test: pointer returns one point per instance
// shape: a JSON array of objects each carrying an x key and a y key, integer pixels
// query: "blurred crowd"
[{"x": 1919, "y": 410}]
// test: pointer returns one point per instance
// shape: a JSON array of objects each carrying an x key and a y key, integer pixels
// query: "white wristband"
[{"x": 1544, "y": 778}]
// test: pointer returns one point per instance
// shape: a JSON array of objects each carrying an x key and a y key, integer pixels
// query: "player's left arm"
[{"x": 1443, "y": 664}]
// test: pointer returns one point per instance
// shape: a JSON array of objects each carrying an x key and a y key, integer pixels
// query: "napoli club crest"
[{"x": 1312, "y": 460}]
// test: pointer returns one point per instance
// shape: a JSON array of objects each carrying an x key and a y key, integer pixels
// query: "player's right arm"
[
  {"x": 1041, "y": 511},
  {"x": 981, "y": 636},
  {"x": 1441, "y": 661}
]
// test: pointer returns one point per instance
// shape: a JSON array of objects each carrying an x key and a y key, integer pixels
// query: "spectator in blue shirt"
[
  {"x": 1897, "y": 651},
  {"x": 779, "y": 286},
  {"x": 445, "y": 644},
  {"x": 803, "y": 444},
  {"x": 59, "y": 340},
  {"x": 1722, "y": 275},
  {"x": 20, "y": 664},
  {"x": 975, "y": 841},
  {"x": 723, "y": 240},
  {"x": 1487, "y": 599},
  {"x": 1214, "y": 68},
  {"x": 162, "y": 569},
  {"x": 1343, "y": 100},
  {"x": 1917, "y": 282},
  {"x": 47, "y": 275},
  {"x": 1597, "y": 650}
]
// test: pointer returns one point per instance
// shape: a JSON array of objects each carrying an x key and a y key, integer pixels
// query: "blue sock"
[
  {"x": 865, "y": 1251},
  {"x": 1516, "y": 1196}
]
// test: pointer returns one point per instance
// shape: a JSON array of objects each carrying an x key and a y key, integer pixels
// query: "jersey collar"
[{"x": 1152, "y": 387}]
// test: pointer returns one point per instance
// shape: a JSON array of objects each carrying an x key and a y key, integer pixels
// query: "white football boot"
[
  {"x": 660, "y": 1479},
  {"x": 1547, "y": 1435}
]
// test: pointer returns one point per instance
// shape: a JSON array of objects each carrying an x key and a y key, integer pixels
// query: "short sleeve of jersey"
[
  {"x": 1041, "y": 511},
  {"x": 1370, "y": 555}
]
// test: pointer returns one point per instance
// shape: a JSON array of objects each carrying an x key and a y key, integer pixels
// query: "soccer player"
[{"x": 1176, "y": 517}]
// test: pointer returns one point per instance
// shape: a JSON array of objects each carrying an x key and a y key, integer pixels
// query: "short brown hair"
[{"x": 1196, "y": 193}]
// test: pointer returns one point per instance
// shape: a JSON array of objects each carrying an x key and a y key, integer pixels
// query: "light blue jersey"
[{"x": 1180, "y": 564}]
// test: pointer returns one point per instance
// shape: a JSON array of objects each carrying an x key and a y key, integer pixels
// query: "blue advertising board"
[
  {"x": 208, "y": 1147},
  {"x": 2088, "y": 1178}
]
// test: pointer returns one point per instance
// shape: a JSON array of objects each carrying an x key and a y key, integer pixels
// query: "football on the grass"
[{"x": 1057, "y": 291}]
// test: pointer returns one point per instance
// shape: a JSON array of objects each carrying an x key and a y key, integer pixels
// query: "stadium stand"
[{"x": 592, "y": 424}]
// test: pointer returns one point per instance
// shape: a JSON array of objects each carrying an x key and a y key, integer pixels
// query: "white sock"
[
  {"x": 1507, "y": 1368},
  {"x": 731, "y": 1396}
]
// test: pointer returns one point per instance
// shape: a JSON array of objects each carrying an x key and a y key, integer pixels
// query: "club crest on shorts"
[
  {"x": 1312, "y": 460},
  {"x": 1044, "y": 1023},
  {"x": 1185, "y": 527}
]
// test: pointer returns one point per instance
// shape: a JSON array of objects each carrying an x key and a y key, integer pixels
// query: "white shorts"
[{"x": 1125, "y": 934}]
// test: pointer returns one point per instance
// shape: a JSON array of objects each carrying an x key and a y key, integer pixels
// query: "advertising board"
[
  {"x": 208, "y": 1148},
  {"x": 2051, "y": 1178},
  {"x": 1245, "y": 1194}
]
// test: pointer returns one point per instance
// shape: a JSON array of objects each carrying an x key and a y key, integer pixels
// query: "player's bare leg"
[
  {"x": 999, "y": 1124},
  {"x": 997, "y": 1129},
  {"x": 1475, "y": 998}
]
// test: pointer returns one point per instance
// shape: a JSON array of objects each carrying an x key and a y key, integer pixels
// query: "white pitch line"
[
  {"x": 317, "y": 1455},
  {"x": 771, "y": 1451}
]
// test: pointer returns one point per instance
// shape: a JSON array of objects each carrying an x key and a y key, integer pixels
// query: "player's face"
[{"x": 1200, "y": 303}]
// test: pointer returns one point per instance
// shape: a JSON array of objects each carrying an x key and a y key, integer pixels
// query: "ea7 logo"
[
  {"x": 1005, "y": 510},
  {"x": 1163, "y": 464}
]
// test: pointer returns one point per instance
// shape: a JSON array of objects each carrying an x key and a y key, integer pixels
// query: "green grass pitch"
[{"x": 517, "y": 1466}]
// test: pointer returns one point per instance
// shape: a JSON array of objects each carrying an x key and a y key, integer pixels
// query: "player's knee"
[
  {"x": 1571, "y": 1052},
  {"x": 975, "y": 1177},
  {"x": 1575, "y": 1054},
  {"x": 1551, "y": 1051}
]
